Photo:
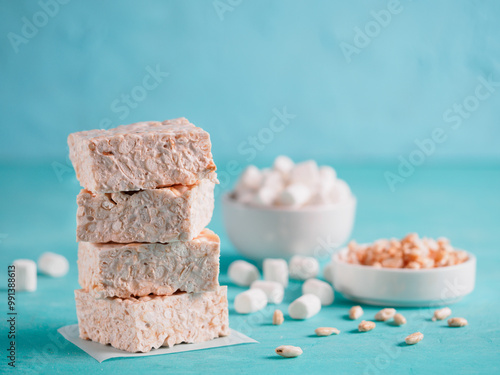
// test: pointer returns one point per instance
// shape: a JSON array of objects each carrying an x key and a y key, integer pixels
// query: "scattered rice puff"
[
  {"x": 410, "y": 252},
  {"x": 457, "y": 322},
  {"x": 414, "y": 338}
]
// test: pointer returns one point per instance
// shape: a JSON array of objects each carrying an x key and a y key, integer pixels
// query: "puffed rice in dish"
[{"x": 411, "y": 252}]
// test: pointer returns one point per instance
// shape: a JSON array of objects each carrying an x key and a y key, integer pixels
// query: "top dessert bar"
[{"x": 145, "y": 155}]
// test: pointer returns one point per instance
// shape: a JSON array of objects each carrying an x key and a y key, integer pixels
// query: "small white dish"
[
  {"x": 403, "y": 287},
  {"x": 280, "y": 232}
]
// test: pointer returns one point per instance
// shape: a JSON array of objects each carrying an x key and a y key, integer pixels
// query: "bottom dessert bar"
[{"x": 145, "y": 323}]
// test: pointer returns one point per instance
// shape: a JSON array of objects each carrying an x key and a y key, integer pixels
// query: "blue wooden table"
[{"x": 37, "y": 214}]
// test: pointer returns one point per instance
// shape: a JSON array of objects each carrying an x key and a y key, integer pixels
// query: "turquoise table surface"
[{"x": 37, "y": 214}]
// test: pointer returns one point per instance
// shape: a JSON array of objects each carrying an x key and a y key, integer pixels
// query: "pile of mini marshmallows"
[
  {"x": 291, "y": 185},
  {"x": 49, "y": 264},
  {"x": 315, "y": 293}
]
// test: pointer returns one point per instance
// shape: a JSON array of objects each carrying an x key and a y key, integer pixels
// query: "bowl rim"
[
  {"x": 226, "y": 198},
  {"x": 336, "y": 259}
]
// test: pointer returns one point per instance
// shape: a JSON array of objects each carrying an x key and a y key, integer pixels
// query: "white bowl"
[
  {"x": 278, "y": 232},
  {"x": 403, "y": 287}
]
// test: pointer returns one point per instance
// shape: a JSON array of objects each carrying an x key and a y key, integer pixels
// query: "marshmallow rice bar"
[
  {"x": 139, "y": 269},
  {"x": 142, "y": 324},
  {"x": 176, "y": 213},
  {"x": 145, "y": 155}
]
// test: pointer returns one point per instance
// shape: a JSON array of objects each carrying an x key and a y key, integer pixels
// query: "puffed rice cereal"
[
  {"x": 441, "y": 314},
  {"x": 366, "y": 325},
  {"x": 457, "y": 322},
  {"x": 385, "y": 314},
  {"x": 414, "y": 338},
  {"x": 411, "y": 252},
  {"x": 288, "y": 351},
  {"x": 326, "y": 331},
  {"x": 278, "y": 318},
  {"x": 399, "y": 320},
  {"x": 355, "y": 312}
]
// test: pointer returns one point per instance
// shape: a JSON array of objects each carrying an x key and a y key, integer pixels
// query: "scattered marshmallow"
[
  {"x": 273, "y": 289},
  {"x": 25, "y": 275},
  {"x": 320, "y": 289},
  {"x": 303, "y": 268},
  {"x": 304, "y": 307},
  {"x": 250, "y": 301},
  {"x": 295, "y": 195},
  {"x": 291, "y": 185},
  {"x": 276, "y": 270},
  {"x": 53, "y": 264},
  {"x": 243, "y": 273},
  {"x": 328, "y": 272}
]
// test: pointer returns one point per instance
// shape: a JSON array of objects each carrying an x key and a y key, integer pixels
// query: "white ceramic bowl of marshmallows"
[
  {"x": 412, "y": 272},
  {"x": 288, "y": 209}
]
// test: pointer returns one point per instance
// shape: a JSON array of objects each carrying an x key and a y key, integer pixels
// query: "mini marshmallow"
[
  {"x": 52, "y": 264},
  {"x": 272, "y": 179},
  {"x": 251, "y": 178},
  {"x": 340, "y": 191},
  {"x": 243, "y": 273},
  {"x": 276, "y": 270},
  {"x": 327, "y": 175},
  {"x": 323, "y": 195},
  {"x": 273, "y": 289},
  {"x": 283, "y": 164},
  {"x": 324, "y": 190},
  {"x": 320, "y": 289},
  {"x": 25, "y": 275},
  {"x": 303, "y": 268},
  {"x": 291, "y": 185},
  {"x": 304, "y": 307},
  {"x": 265, "y": 196},
  {"x": 295, "y": 195},
  {"x": 250, "y": 301},
  {"x": 328, "y": 272},
  {"x": 305, "y": 173}
]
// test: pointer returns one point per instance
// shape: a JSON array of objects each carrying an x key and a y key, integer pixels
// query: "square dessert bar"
[
  {"x": 142, "y": 324},
  {"x": 145, "y": 155},
  {"x": 139, "y": 269},
  {"x": 176, "y": 213}
]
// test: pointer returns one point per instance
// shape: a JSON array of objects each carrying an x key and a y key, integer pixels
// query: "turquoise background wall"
[
  {"x": 401, "y": 97},
  {"x": 364, "y": 79}
]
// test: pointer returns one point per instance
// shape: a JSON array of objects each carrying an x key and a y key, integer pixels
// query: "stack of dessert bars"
[{"x": 148, "y": 267}]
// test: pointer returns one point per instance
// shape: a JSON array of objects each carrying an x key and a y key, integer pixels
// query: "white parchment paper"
[{"x": 104, "y": 352}]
